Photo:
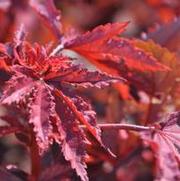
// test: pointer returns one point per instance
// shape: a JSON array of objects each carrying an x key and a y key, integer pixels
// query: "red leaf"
[
  {"x": 40, "y": 110},
  {"x": 67, "y": 72},
  {"x": 88, "y": 114},
  {"x": 168, "y": 165},
  {"x": 31, "y": 57},
  {"x": 89, "y": 123},
  {"x": 16, "y": 90},
  {"x": 108, "y": 52},
  {"x": 167, "y": 141},
  {"x": 59, "y": 67},
  {"x": 87, "y": 79},
  {"x": 170, "y": 130},
  {"x": 150, "y": 81},
  {"x": 49, "y": 14},
  {"x": 72, "y": 138},
  {"x": 111, "y": 54},
  {"x": 97, "y": 35},
  {"x": 38, "y": 84},
  {"x": 78, "y": 114}
]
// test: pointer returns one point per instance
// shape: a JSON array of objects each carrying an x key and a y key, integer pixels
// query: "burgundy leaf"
[
  {"x": 78, "y": 115},
  {"x": 72, "y": 138},
  {"x": 16, "y": 89},
  {"x": 18, "y": 69},
  {"x": 119, "y": 49},
  {"x": 88, "y": 112},
  {"x": 60, "y": 67},
  {"x": 87, "y": 79},
  {"x": 37, "y": 86},
  {"x": 170, "y": 130},
  {"x": 167, "y": 162},
  {"x": 40, "y": 110},
  {"x": 166, "y": 145},
  {"x": 84, "y": 77}
]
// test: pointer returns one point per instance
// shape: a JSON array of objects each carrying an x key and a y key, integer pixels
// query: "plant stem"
[
  {"x": 35, "y": 159},
  {"x": 124, "y": 126}
]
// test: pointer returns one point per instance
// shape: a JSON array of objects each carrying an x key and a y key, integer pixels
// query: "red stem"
[{"x": 124, "y": 126}]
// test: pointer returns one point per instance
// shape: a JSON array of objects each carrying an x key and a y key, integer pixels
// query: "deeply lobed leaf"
[
  {"x": 17, "y": 88},
  {"x": 38, "y": 82},
  {"x": 103, "y": 48},
  {"x": 40, "y": 111},
  {"x": 72, "y": 137},
  {"x": 97, "y": 35},
  {"x": 165, "y": 144}
]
